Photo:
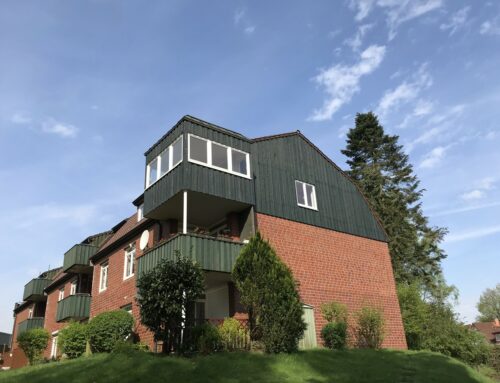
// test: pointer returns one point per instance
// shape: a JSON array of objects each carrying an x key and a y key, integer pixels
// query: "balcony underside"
[
  {"x": 75, "y": 307},
  {"x": 76, "y": 259},
  {"x": 33, "y": 290}
]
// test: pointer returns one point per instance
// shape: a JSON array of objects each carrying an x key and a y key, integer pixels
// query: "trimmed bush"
[
  {"x": 370, "y": 328},
  {"x": 234, "y": 335},
  {"x": 108, "y": 328},
  {"x": 334, "y": 335},
  {"x": 334, "y": 312},
  {"x": 129, "y": 348},
  {"x": 73, "y": 339},
  {"x": 33, "y": 342},
  {"x": 206, "y": 339}
]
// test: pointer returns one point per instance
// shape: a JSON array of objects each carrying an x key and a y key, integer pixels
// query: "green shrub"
[
  {"x": 370, "y": 328},
  {"x": 334, "y": 335},
  {"x": 73, "y": 339},
  {"x": 234, "y": 335},
  {"x": 334, "y": 312},
  {"x": 108, "y": 328},
  {"x": 129, "y": 348},
  {"x": 33, "y": 342},
  {"x": 206, "y": 339}
]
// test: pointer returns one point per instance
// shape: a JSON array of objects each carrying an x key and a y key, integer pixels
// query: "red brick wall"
[
  {"x": 18, "y": 358},
  {"x": 120, "y": 292},
  {"x": 333, "y": 266}
]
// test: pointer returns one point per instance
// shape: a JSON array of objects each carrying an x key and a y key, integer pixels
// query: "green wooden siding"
[
  {"x": 29, "y": 324},
  {"x": 75, "y": 307},
  {"x": 211, "y": 254},
  {"x": 78, "y": 255},
  {"x": 33, "y": 290},
  {"x": 308, "y": 340},
  {"x": 277, "y": 163}
]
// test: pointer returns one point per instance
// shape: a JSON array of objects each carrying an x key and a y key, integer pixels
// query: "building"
[
  {"x": 490, "y": 330},
  {"x": 207, "y": 191}
]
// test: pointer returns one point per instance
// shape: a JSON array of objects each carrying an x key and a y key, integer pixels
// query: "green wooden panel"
[
  {"x": 308, "y": 340},
  {"x": 29, "y": 324},
  {"x": 33, "y": 290},
  {"x": 75, "y": 307},
  {"x": 211, "y": 254},
  {"x": 78, "y": 255}
]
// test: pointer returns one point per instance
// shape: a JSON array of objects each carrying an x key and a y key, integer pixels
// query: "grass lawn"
[{"x": 312, "y": 366}]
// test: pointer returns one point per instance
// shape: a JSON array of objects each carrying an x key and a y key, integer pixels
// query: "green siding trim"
[
  {"x": 33, "y": 290},
  {"x": 78, "y": 255},
  {"x": 75, "y": 307},
  {"x": 211, "y": 254},
  {"x": 29, "y": 324}
]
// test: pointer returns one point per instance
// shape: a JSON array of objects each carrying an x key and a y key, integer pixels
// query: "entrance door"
[{"x": 309, "y": 338}]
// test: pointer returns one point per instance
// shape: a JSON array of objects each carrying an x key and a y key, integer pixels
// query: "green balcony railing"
[
  {"x": 212, "y": 254},
  {"x": 33, "y": 290},
  {"x": 75, "y": 307},
  {"x": 29, "y": 324},
  {"x": 76, "y": 259}
]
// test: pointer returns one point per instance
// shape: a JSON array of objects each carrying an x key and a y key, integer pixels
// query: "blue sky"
[{"x": 87, "y": 86}]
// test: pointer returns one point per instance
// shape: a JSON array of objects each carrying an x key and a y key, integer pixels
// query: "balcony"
[
  {"x": 212, "y": 254},
  {"x": 75, "y": 307},
  {"x": 33, "y": 290},
  {"x": 29, "y": 324},
  {"x": 76, "y": 259}
]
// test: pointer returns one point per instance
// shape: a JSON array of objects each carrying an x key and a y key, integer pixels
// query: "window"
[
  {"x": 53, "y": 350},
  {"x": 140, "y": 212},
  {"x": 218, "y": 156},
  {"x": 306, "y": 195},
  {"x": 61, "y": 294},
  {"x": 127, "y": 308},
  {"x": 164, "y": 162},
  {"x": 103, "y": 282},
  {"x": 497, "y": 338},
  {"x": 30, "y": 313},
  {"x": 72, "y": 290},
  {"x": 128, "y": 270}
]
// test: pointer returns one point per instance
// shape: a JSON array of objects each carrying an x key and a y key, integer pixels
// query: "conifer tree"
[{"x": 380, "y": 167}]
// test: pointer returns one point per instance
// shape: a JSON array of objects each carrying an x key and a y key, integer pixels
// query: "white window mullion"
[
  {"x": 148, "y": 170},
  {"x": 230, "y": 160},
  {"x": 209, "y": 152},
  {"x": 170, "y": 157}
]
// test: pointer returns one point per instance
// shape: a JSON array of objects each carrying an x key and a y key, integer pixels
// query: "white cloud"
[
  {"x": 341, "y": 82},
  {"x": 356, "y": 41},
  {"x": 457, "y": 20},
  {"x": 472, "y": 195},
  {"x": 473, "y": 234},
  {"x": 20, "y": 118},
  {"x": 397, "y": 11},
  {"x": 64, "y": 130},
  {"x": 434, "y": 157},
  {"x": 241, "y": 20},
  {"x": 249, "y": 30},
  {"x": 490, "y": 27},
  {"x": 407, "y": 91},
  {"x": 464, "y": 209},
  {"x": 238, "y": 16},
  {"x": 486, "y": 183},
  {"x": 481, "y": 187}
]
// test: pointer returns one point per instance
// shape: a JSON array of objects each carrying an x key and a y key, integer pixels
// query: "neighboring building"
[
  {"x": 490, "y": 330},
  {"x": 4, "y": 342},
  {"x": 207, "y": 191}
]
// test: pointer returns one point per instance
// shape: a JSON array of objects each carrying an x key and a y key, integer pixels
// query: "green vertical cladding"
[
  {"x": 78, "y": 255},
  {"x": 33, "y": 290},
  {"x": 198, "y": 178},
  {"x": 29, "y": 324},
  {"x": 279, "y": 162},
  {"x": 308, "y": 339},
  {"x": 75, "y": 307},
  {"x": 211, "y": 254}
]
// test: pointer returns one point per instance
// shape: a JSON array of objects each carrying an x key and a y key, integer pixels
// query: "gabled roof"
[{"x": 488, "y": 329}]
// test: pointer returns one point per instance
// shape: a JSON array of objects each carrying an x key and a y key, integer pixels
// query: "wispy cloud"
[
  {"x": 434, "y": 157},
  {"x": 473, "y": 234},
  {"x": 490, "y": 27},
  {"x": 397, "y": 11},
  {"x": 481, "y": 187},
  {"x": 458, "y": 19},
  {"x": 51, "y": 126},
  {"x": 249, "y": 30},
  {"x": 241, "y": 20},
  {"x": 472, "y": 195},
  {"x": 20, "y": 118},
  {"x": 355, "y": 42},
  {"x": 407, "y": 91},
  {"x": 464, "y": 209},
  {"x": 341, "y": 82}
]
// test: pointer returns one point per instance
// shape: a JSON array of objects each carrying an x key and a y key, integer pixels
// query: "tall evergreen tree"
[{"x": 381, "y": 169}]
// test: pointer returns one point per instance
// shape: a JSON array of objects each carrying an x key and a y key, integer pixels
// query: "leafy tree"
[
  {"x": 370, "y": 328},
  {"x": 269, "y": 293},
  {"x": 334, "y": 312},
  {"x": 73, "y": 339},
  {"x": 382, "y": 171},
  {"x": 489, "y": 305},
  {"x": 33, "y": 342},
  {"x": 108, "y": 328},
  {"x": 163, "y": 294}
]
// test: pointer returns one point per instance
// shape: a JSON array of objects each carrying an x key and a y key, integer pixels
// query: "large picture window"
[
  {"x": 164, "y": 162},
  {"x": 218, "y": 156},
  {"x": 306, "y": 195}
]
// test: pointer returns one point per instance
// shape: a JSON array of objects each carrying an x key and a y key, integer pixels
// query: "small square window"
[
  {"x": 219, "y": 156},
  {"x": 239, "y": 162},
  {"x": 198, "y": 149},
  {"x": 306, "y": 195}
]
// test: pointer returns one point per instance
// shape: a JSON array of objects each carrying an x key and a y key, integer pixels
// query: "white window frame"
[
  {"x": 140, "y": 212},
  {"x": 159, "y": 162},
  {"x": 128, "y": 268},
  {"x": 53, "y": 348},
  {"x": 103, "y": 277},
  {"x": 61, "y": 294},
  {"x": 314, "y": 200},
  {"x": 229, "y": 151},
  {"x": 30, "y": 313},
  {"x": 73, "y": 287}
]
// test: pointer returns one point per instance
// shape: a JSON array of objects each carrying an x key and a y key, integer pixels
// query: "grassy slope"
[{"x": 311, "y": 366}]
